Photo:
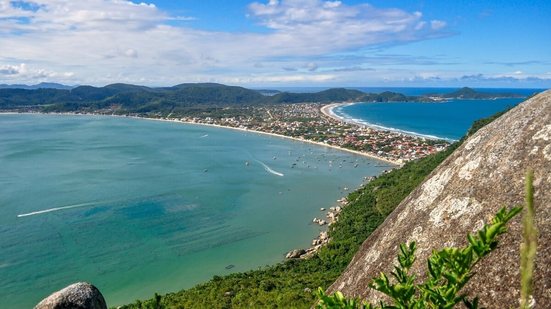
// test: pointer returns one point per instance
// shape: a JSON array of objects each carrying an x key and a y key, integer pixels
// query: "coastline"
[
  {"x": 368, "y": 155},
  {"x": 393, "y": 162},
  {"x": 327, "y": 110},
  {"x": 303, "y": 222}
]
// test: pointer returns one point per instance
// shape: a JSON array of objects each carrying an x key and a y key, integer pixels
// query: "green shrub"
[{"x": 449, "y": 269}]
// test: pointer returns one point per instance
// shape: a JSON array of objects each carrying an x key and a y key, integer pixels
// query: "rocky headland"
[{"x": 483, "y": 175}]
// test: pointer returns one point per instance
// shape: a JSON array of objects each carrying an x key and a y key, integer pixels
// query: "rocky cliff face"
[{"x": 484, "y": 174}]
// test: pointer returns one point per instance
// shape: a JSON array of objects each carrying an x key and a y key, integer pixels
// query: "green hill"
[
  {"x": 469, "y": 93},
  {"x": 326, "y": 96},
  {"x": 389, "y": 96},
  {"x": 126, "y": 98}
]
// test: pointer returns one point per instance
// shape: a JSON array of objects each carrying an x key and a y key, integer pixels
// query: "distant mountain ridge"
[
  {"x": 325, "y": 96},
  {"x": 142, "y": 99},
  {"x": 37, "y": 86}
]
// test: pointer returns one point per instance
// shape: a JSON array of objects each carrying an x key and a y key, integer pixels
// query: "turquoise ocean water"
[
  {"x": 138, "y": 206},
  {"x": 447, "y": 120}
]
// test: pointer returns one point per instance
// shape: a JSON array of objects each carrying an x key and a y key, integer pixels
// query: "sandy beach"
[
  {"x": 125, "y": 173},
  {"x": 326, "y": 112},
  {"x": 393, "y": 162}
]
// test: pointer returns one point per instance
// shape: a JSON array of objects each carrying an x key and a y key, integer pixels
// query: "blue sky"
[{"x": 277, "y": 43}]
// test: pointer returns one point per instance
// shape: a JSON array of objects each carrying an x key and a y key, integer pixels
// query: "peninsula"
[
  {"x": 310, "y": 121},
  {"x": 291, "y": 283},
  {"x": 303, "y": 116}
]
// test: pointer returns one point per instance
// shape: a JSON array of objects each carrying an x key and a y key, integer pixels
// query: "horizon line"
[{"x": 256, "y": 86}]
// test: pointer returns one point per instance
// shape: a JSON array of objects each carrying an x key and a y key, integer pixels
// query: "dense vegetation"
[
  {"x": 326, "y": 96},
  {"x": 290, "y": 284},
  {"x": 140, "y": 99},
  {"x": 469, "y": 93},
  {"x": 179, "y": 99},
  {"x": 389, "y": 96}
]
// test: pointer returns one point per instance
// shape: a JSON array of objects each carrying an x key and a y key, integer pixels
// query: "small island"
[{"x": 467, "y": 93}]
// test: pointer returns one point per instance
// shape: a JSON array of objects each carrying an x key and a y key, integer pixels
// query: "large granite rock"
[
  {"x": 484, "y": 174},
  {"x": 80, "y": 295}
]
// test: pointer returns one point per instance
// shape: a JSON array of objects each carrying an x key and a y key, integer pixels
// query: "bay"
[
  {"x": 137, "y": 207},
  {"x": 446, "y": 120}
]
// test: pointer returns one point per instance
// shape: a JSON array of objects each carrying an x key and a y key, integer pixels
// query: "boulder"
[
  {"x": 80, "y": 295},
  {"x": 295, "y": 254},
  {"x": 229, "y": 294}
]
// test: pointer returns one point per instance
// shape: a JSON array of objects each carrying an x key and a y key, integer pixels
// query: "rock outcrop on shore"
[
  {"x": 484, "y": 174},
  {"x": 80, "y": 295},
  {"x": 323, "y": 238}
]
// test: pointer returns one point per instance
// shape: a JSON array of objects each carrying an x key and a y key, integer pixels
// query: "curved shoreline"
[
  {"x": 393, "y": 162},
  {"x": 195, "y": 132},
  {"x": 327, "y": 110},
  {"x": 368, "y": 155}
]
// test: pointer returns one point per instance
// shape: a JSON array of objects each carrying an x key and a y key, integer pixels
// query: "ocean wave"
[{"x": 269, "y": 170}]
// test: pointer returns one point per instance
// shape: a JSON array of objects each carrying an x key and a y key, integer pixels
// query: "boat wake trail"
[
  {"x": 203, "y": 136},
  {"x": 39, "y": 212},
  {"x": 269, "y": 170}
]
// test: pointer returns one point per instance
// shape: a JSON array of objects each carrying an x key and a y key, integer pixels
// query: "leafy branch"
[{"x": 450, "y": 268}]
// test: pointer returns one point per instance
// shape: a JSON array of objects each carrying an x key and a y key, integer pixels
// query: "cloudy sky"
[{"x": 277, "y": 43}]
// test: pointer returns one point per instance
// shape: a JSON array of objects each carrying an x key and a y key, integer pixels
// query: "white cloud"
[
  {"x": 332, "y": 4},
  {"x": 24, "y": 72},
  {"x": 96, "y": 15},
  {"x": 101, "y": 40},
  {"x": 511, "y": 78},
  {"x": 311, "y": 66},
  {"x": 274, "y": 79},
  {"x": 132, "y": 53},
  {"x": 437, "y": 24},
  {"x": 10, "y": 10},
  {"x": 9, "y": 70},
  {"x": 331, "y": 25}
]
